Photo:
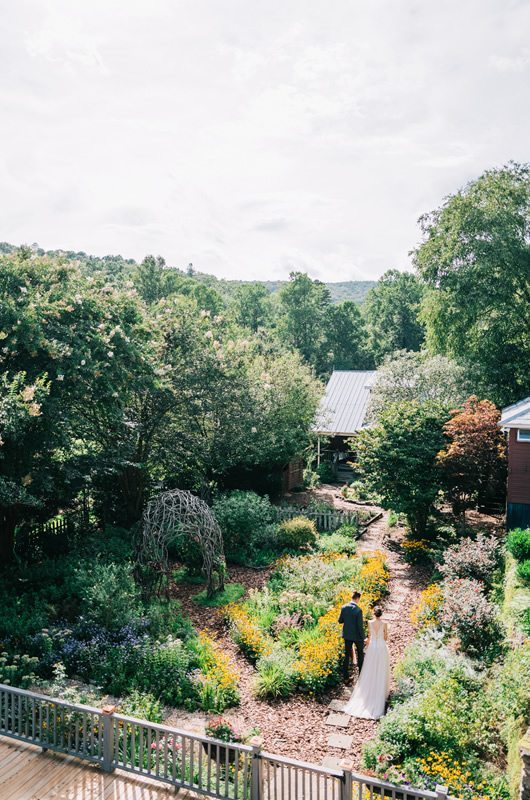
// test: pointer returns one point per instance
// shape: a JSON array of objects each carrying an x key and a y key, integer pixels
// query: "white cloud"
[{"x": 253, "y": 139}]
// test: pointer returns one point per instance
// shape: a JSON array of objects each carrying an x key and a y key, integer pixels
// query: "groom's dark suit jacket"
[{"x": 351, "y": 619}]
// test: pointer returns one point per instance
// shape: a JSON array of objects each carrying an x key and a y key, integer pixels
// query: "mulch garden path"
[{"x": 297, "y": 727}]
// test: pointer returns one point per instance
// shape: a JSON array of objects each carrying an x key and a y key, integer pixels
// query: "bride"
[{"x": 373, "y": 685}]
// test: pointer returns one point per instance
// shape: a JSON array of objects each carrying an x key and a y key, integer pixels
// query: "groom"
[{"x": 351, "y": 619}]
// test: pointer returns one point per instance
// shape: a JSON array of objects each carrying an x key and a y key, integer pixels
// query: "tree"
[
  {"x": 391, "y": 311},
  {"x": 304, "y": 307},
  {"x": 397, "y": 459},
  {"x": 69, "y": 346},
  {"x": 416, "y": 376},
  {"x": 345, "y": 337},
  {"x": 475, "y": 263},
  {"x": 251, "y": 306},
  {"x": 474, "y": 460}
]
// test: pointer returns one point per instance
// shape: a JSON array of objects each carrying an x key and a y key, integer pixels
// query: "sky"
[{"x": 253, "y": 138}]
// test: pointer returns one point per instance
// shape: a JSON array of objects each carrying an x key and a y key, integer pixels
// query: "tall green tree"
[
  {"x": 304, "y": 311},
  {"x": 397, "y": 459},
  {"x": 75, "y": 342},
  {"x": 345, "y": 338},
  {"x": 475, "y": 263},
  {"x": 391, "y": 312},
  {"x": 251, "y": 306}
]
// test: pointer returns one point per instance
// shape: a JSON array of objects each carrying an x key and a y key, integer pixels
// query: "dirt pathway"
[{"x": 299, "y": 727}]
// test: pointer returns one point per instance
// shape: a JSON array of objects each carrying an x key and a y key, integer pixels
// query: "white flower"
[
  {"x": 83, "y": 362},
  {"x": 253, "y": 430},
  {"x": 60, "y": 377},
  {"x": 23, "y": 289},
  {"x": 110, "y": 353}
]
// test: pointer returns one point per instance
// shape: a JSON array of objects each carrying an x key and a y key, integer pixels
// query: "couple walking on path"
[{"x": 369, "y": 697}]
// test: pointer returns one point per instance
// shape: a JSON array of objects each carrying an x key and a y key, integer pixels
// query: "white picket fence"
[
  {"x": 328, "y": 520},
  {"x": 227, "y": 771}
]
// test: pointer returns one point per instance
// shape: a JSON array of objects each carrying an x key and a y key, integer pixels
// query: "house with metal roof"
[
  {"x": 515, "y": 419},
  {"x": 342, "y": 412}
]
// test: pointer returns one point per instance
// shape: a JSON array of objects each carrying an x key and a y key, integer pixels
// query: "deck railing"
[
  {"x": 324, "y": 520},
  {"x": 228, "y": 771}
]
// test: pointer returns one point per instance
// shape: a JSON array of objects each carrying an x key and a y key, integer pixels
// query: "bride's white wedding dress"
[{"x": 373, "y": 685}]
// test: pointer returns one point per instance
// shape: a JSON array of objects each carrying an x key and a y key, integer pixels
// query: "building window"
[{"x": 523, "y": 436}]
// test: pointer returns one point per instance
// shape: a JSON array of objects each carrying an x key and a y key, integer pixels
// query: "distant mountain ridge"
[{"x": 114, "y": 264}]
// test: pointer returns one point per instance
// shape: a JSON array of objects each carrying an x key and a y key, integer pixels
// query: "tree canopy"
[
  {"x": 397, "y": 459},
  {"x": 475, "y": 263},
  {"x": 391, "y": 311}
]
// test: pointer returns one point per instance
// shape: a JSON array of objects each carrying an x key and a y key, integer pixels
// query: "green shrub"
[
  {"x": 113, "y": 544},
  {"x": 275, "y": 678},
  {"x": 141, "y": 705},
  {"x": 518, "y": 543},
  {"x": 325, "y": 473},
  {"x": 108, "y": 593},
  {"x": 244, "y": 518},
  {"x": 165, "y": 671},
  {"x": 337, "y": 543},
  {"x": 523, "y": 571},
  {"x": 18, "y": 670},
  {"x": 351, "y": 531},
  {"x": 299, "y": 533},
  {"x": 392, "y": 519},
  {"x": 165, "y": 618}
]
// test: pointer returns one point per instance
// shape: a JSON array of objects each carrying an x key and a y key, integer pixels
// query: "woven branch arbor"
[{"x": 176, "y": 514}]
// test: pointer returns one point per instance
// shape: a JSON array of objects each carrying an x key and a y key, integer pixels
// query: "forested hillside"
[{"x": 116, "y": 265}]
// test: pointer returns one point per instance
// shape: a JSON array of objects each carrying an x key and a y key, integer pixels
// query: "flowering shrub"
[
  {"x": 464, "y": 779},
  {"x": 426, "y": 610},
  {"x": 141, "y": 705},
  {"x": 18, "y": 670},
  {"x": 218, "y": 681},
  {"x": 252, "y": 641},
  {"x": 166, "y": 671},
  {"x": 469, "y": 615},
  {"x": 291, "y": 627},
  {"x": 472, "y": 558},
  {"x": 373, "y": 577},
  {"x": 415, "y": 550},
  {"x": 223, "y": 730}
]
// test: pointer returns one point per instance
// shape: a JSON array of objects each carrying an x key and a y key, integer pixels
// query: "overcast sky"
[{"x": 253, "y": 138}]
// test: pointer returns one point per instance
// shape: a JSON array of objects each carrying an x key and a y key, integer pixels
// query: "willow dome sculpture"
[{"x": 175, "y": 514}]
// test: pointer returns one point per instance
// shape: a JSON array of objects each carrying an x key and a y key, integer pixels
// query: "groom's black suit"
[{"x": 351, "y": 619}]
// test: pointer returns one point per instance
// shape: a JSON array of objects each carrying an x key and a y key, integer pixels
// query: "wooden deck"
[{"x": 28, "y": 774}]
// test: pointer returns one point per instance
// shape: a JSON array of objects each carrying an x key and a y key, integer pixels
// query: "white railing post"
[
  {"x": 108, "y": 737},
  {"x": 441, "y": 792},
  {"x": 346, "y": 787},
  {"x": 256, "y": 783}
]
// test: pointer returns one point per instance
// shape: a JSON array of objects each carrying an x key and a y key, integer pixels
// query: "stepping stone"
[
  {"x": 337, "y": 705},
  {"x": 340, "y": 740},
  {"x": 330, "y": 762},
  {"x": 339, "y": 720}
]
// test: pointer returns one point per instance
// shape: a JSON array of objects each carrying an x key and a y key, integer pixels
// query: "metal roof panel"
[{"x": 342, "y": 410}]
